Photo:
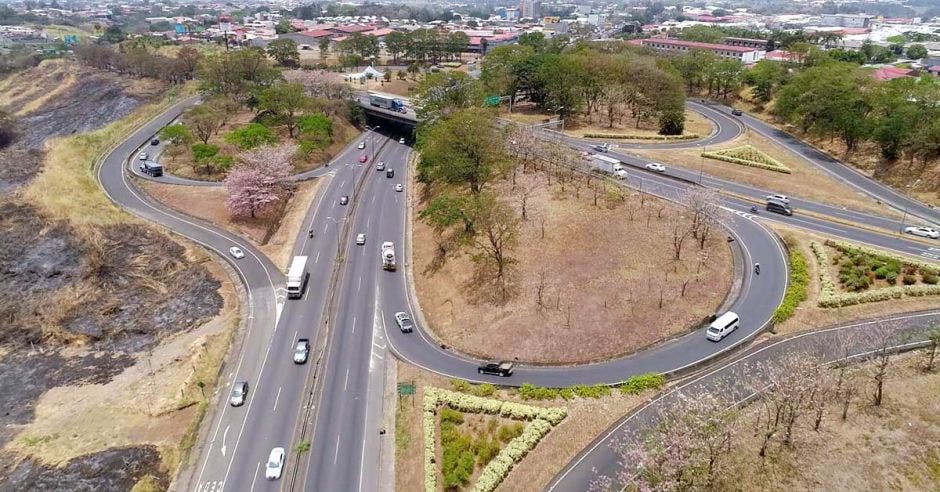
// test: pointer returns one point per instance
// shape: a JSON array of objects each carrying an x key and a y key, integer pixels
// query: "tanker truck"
[{"x": 388, "y": 256}]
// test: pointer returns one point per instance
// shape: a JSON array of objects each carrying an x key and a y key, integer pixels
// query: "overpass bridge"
[{"x": 408, "y": 118}]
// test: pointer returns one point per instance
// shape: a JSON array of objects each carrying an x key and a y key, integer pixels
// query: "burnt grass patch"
[
  {"x": 116, "y": 469},
  {"x": 105, "y": 293}
]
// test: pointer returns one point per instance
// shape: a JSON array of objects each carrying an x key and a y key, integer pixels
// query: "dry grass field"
[
  {"x": 608, "y": 283},
  {"x": 892, "y": 447}
]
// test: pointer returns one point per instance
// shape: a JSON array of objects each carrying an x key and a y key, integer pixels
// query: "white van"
[{"x": 722, "y": 326}]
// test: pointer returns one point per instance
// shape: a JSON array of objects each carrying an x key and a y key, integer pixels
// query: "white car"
[
  {"x": 653, "y": 166},
  {"x": 404, "y": 322},
  {"x": 399, "y": 187},
  {"x": 236, "y": 252},
  {"x": 620, "y": 174},
  {"x": 401, "y": 140},
  {"x": 143, "y": 156},
  {"x": 922, "y": 231},
  {"x": 779, "y": 198},
  {"x": 360, "y": 239},
  {"x": 272, "y": 470},
  {"x": 362, "y": 145}
]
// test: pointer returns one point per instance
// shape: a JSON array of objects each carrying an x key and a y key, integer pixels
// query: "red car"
[{"x": 363, "y": 158}]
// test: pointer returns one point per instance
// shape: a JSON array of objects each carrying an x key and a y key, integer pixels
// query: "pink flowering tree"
[{"x": 261, "y": 178}]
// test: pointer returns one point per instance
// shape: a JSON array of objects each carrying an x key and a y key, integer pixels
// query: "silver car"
[
  {"x": 239, "y": 393},
  {"x": 404, "y": 322}
]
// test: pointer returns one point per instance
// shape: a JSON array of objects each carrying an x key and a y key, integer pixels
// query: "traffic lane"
[
  {"x": 280, "y": 386},
  {"x": 336, "y": 456},
  {"x": 735, "y": 380},
  {"x": 897, "y": 242},
  {"x": 845, "y": 171},
  {"x": 275, "y": 386},
  {"x": 760, "y": 195},
  {"x": 755, "y": 306}
]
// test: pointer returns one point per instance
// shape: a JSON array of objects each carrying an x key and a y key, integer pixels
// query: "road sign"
[
  {"x": 406, "y": 389},
  {"x": 492, "y": 100}
]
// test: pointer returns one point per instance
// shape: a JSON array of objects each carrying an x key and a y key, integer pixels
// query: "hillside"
[{"x": 98, "y": 301}]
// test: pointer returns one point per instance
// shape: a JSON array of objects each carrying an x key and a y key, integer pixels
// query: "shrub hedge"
[
  {"x": 797, "y": 290},
  {"x": 540, "y": 421},
  {"x": 688, "y": 136},
  {"x": 829, "y": 298},
  {"x": 642, "y": 382},
  {"x": 748, "y": 156}
]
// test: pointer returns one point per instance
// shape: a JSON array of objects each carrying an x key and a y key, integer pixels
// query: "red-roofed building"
[
  {"x": 297, "y": 24},
  {"x": 379, "y": 33},
  {"x": 317, "y": 33},
  {"x": 782, "y": 56},
  {"x": 744, "y": 54},
  {"x": 934, "y": 70},
  {"x": 890, "y": 73},
  {"x": 354, "y": 28}
]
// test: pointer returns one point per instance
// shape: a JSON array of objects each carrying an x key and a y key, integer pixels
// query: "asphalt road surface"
[{"x": 358, "y": 328}]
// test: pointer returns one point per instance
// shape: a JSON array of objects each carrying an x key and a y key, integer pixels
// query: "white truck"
[
  {"x": 388, "y": 256},
  {"x": 297, "y": 277},
  {"x": 606, "y": 165}
]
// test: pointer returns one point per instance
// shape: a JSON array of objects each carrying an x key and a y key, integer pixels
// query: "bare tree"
[
  {"x": 883, "y": 336},
  {"x": 497, "y": 229},
  {"x": 933, "y": 338},
  {"x": 678, "y": 227},
  {"x": 706, "y": 212}
]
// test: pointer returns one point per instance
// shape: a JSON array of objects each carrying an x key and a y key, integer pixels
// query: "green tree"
[
  {"x": 465, "y": 150},
  {"x": 534, "y": 40},
  {"x": 284, "y": 51},
  {"x": 703, "y": 34},
  {"x": 916, "y": 52},
  {"x": 251, "y": 136},
  {"x": 236, "y": 73},
  {"x": 286, "y": 101},
  {"x": 502, "y": 69},
  {"x": 112, "y": 35},
  {"x": 440, "y": 94},
  {"x": 765, "y": 77},
  {"x": 204, "y": 151},
  {"x": 828, "y": 101},
  {"x": 561, "y": 79},
  {"x": 396, "y": 44},
  {"x": 177, "y": 134},
  {"x": 205, "y": 120},
  {"x": 324, "y": 45},
  {"x": 283, "y": 27}
]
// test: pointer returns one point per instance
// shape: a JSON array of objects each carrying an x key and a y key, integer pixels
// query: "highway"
[{"x": 353, "y": 320}]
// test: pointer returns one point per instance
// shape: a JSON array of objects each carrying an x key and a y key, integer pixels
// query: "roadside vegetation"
[
  {"x": 497, "y": 274},
  {"x": 481, "y": 434},
  {"x": 605, "y": 87},
  {"x": 811, "y": 426},
  {"x": 866, "y": 275},
  {"x": 798, "y": 284}
]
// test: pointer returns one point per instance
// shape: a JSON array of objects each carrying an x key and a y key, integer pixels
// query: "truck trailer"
[
  {"x": 386, "y": 102},
  {"x": 297, "y": 277},
  {"x": 388, "y": 256}
]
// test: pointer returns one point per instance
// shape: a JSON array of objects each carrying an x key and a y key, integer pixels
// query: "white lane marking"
[
  {"x": 317, "y": 259},
  {"x": 336, "y": 453},
  {"x": 360, "y": 285},
  {"x": 254, "y": 478},
  {"x": 325, "y": 225},
  {"x": 354, "y": 325},
  {"x": 276, "y": 398},
  {"x": 346, "y": 382},
  {"x": 223, "y": 439},
  {"x": 342, "y": 184}
]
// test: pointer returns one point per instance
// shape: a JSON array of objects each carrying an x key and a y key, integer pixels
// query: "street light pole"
[
  {"x": 372, "y": 139},
  {"x": 701, "y": 167},
  {"x": 339, "y": 246}
]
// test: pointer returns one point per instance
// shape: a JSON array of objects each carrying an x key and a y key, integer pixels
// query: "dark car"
[
  {"x": 779, "y": 207},
  {"x": 737, "y": 112},
  {"x": 155, "y": 141},
  {"x": 600, "y": 148},
  {"x": 343, "y": 200},
  {"x": 390, "y": 173},
  {"x": 502, "y": 368},
  {"x": 239, "y": 393},
  {"x": 301, "y": 351}
]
